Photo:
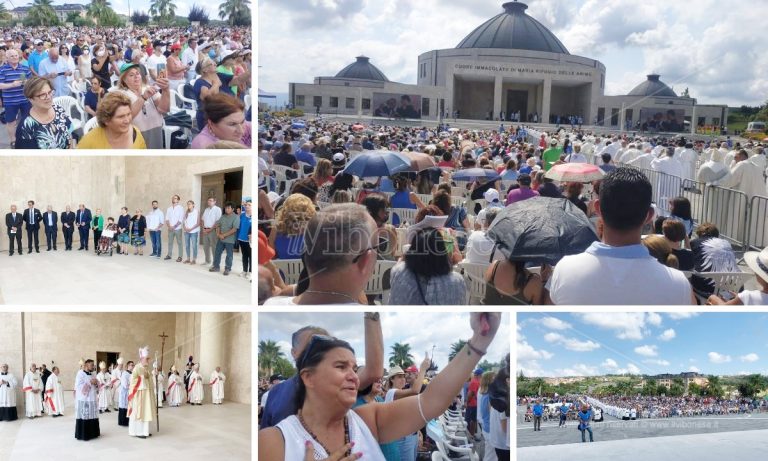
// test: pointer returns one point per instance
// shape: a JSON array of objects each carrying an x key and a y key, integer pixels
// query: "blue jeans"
[
  {"x": 191, "y": 238},
  {"x": 157, "y": 242},
  {"x": 583, "y": 435},
  {"x": 220, "y": 247},
  {"x": 408, "y": 445}
]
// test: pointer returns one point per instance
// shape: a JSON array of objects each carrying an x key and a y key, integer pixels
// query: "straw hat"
[{"x": 758, "y": 262}]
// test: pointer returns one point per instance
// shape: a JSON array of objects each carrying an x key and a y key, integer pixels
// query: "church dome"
[
  {"x": 653, "y": 87},
  {"x": 362, "y": 69},
  {"x": 513, "y": 29}
]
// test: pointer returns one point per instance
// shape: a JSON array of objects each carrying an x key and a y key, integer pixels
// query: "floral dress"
[{"x": 31, "y": 134}]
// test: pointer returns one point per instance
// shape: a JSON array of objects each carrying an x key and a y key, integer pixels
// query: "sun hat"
[
  {"x": 758, "y": 262},
  {"x": 394, "y": 371}
]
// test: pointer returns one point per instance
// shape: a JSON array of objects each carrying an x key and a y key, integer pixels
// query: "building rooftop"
[
  {"x": 513, "y": 29},
  {"x": 653, "y": 87},
  {"x": 362, "y": 69}
]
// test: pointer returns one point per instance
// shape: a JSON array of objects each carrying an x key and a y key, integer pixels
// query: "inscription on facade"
[{"x": 518, "y": 70}]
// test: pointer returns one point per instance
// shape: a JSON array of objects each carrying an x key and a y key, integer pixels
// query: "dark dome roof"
[
  {"x": 362, "y": 69},
  {"x": 653, "y": 87},
  {"x": 515, "y": 30}
]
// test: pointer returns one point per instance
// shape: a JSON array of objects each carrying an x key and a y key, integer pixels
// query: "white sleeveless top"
[{"x": 295, "y": 436}]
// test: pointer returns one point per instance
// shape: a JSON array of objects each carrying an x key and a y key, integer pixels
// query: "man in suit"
[
  {"x": 51, "y": 223},
  {"x": 32, "y": 218},
  {"x": 83, "y": 223},
  {"x": 13, "y": 221},
  {"x": 68, "y": 227}
]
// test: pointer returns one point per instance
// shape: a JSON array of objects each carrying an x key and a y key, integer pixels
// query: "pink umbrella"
[{"x": 575, "y": 172}]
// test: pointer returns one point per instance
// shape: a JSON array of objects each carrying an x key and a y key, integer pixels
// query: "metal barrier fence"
[{"x": 757, "y": 230}]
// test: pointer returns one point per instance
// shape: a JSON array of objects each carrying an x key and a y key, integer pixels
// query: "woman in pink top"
[
  {"x": 176, "y": 69},
  {"x": 225, "y": 121}
]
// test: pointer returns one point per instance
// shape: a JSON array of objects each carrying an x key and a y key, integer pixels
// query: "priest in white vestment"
[
  {"x": 668, "y": 186},
  {"x": 175, "y": 384},
  {"x": 86, "y": 403},
  {"x": 142, "y": 407},
  {"x": 195, "y": 387},
  {"x": 8, "y": 385},
  {"x": 745, "y": 176},
  {"x": 688, "y": 158},
  {"x": 33, "y": 388},
  {"x": 643, "y": 161},
  {"x": 160, "y": 385},
  {"x": 54, "y": 395},
  {"x": 105, "y": 391},
  {"x": 217, "y": 386},
  {"x": 125, "y": 384},
  {"x": 117, "y": 373}
]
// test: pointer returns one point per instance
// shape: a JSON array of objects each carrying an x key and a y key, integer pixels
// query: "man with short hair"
[
  {"x": 217, "y": 386},
  {"x": 523, "y": 192},
  {"x": 479, "y": 246},
  {"x": 125, "y": 384},
  {"x": 13, "y": 74},
  {"x": 32, "y": 218},
  {"x": 174, "y": 216},
  {"x": 551, "y": 155},
  {"x": 470, "y": 415},
  {"x": 13, "y": 222},
  {"x": 606, "y": 166},
  {"x": 8, "y": 385},
  {"x": 83, "y": 223},
  {"x": 68, "y": 227},
  {"x": 208, "y": 221},
  {"x": 626, "y": 271},
  {"x": 33, "y": 389},
  {"x": 538, "y": 412},
  {"x": 226, "y": 229},
  {"x": 155, "y": 220},
  {"x": 56, "y": 71},
  {"x": 576, "y": 156},
  {"x": 54, "y": 394},
  {"x": 189, "y": 57},
  {"x": 339, "y": 256},
  {"x": 745, "y": 176},
  {"x": 282, "y": 404},
  {"x": 37, "y": 56},
  {"x": 51, "y": 223}
]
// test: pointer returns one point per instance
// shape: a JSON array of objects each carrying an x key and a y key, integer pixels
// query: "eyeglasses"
[
  {"x": 313, "y": 342},
  {"x": 46, "y": 95},
  {"x": 376, "y": 247}
]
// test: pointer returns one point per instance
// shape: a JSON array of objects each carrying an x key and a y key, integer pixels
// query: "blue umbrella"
[
  {"x": 377, "y": 163},
  {"x": 298, "y": 125},
  {"x": 473, "y": 173}
]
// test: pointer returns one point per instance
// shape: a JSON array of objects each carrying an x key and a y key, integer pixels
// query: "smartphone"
[
  {"x": 61, "y": 73},
  {"x": 160, "y": 67}
]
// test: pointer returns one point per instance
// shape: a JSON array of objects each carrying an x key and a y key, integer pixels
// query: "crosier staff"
[{"x": 157, "y": 380}]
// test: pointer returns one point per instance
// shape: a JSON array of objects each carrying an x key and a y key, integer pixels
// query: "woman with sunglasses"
[
  {"x": 46, "y": 126},
  {"x": 327, "y": 428}
]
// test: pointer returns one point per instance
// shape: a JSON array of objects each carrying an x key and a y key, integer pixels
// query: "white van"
[{"x": 756, "y": 127}]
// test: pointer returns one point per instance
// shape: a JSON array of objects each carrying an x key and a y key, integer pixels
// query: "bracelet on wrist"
[
  {"x": 475, "y": 350},
  {"x": 375, "y": 316}
]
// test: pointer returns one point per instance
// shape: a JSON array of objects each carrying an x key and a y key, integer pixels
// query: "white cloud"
[
  {"x": 554, "y": 323},
  {"x": 715, "y": 357},
  {"x": 572, "y": 344},
  {"x": 654, "y": 319},
  {"x": 694, "y": 369},
  {"x": 609, "y": 364},
  {"x": 682, "y": 315},
  {"x": 631, "y": 369},
  {"x": 647, "y": 351},
  {"x": 752, "y": 357},
  {"x": 526, "y": 352},
  {"x": 657, "y": 362},
  {"x": 667, "y": 335},
  {"x": 579, "y": 369},
  {"x": 629, "y": 325}
]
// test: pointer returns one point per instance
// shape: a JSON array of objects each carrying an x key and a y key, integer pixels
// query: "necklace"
[
  {"x": 314, "y": 437},
  {"x": 336, "y": 293}
]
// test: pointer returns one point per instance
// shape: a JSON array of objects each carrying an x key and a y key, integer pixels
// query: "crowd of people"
[
  {"x": 308, "y": 204},
  {"x": 135, "y": 82},
  {"x": 220, "y": 233},
  {"x": 638, "y": 407},
  {"x": 131, "y": 389},
  {"x": 334, "y": 409}
]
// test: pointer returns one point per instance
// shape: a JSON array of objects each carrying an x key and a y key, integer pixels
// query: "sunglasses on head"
[{"x": 313, "y": 342}]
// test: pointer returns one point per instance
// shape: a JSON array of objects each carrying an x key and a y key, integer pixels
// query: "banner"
[{"x": 667, "y": 120}]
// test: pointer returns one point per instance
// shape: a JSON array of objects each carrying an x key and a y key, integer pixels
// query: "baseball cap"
[
  {"x": 126, "y": 67},
  {"x": 338, "y": 157},
  {"x": 38, "y": 42},
  {"x": 412, "y": 369},
  {"x": 478, "y": 372},
  {"x": 175, "y": 46},
  {"x": 553, "y": 142},
  {"x": 490, "y": 195}
]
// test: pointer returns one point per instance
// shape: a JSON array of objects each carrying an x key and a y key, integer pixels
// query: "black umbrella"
[{"x": 541, "y": 229}]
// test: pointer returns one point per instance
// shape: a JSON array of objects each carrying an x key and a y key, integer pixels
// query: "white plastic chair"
[
  {"x": 425, "y": 198},
  {"x": 68, "y": 103},
  {"x": 405, "y": 214},
  {"x": 89, "y": 125},
  {"x": 290, "y": 269},
  {"x": 280, "y": 174},
  {"x": 303, "y": 169},
  {"x": 725, "y": 281},
  {"x": 375, "y": 284},
  {"x": 474, "y": 274},
  {"x": 177, "y": 104}
]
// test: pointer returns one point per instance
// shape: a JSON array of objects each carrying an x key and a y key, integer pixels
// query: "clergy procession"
[{"x": 134, "y": 390}]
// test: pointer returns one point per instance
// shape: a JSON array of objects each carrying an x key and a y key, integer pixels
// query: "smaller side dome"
[
  {"x": 362, "y": 69},
  {"x": 653, "y": 87}
]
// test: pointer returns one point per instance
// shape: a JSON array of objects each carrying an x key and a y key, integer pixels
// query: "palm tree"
[
  {"x": 164, "y": 10},
  {"x": 401, "y": 356},
  {"x": 4, "y": 14},
  {"x": 234, "y": 9},
  {"x": 269, "y": 353},
  {"x": 456, "y": 348},
  {"x": 714, "y": 386},
  {"x": 41, "y": 13},
  {"x": 100, "y": 10}
]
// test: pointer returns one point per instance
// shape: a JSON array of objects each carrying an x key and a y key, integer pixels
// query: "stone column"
[
  {"x": 497, "y": 95},
  {"x": 546, "y": 100},
  {"x": 213, "y": 334},
  {"x": 694, "y": 121},
  {"x": 622, "y": 118}
]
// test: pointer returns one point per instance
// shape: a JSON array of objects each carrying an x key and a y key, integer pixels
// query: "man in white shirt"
[
  {"x": 189, "y": 57},
  {"x": 479, "y": 246},
  {"x": 156, "y": 58},
  {"x": 620, "y": 270},
  {"x": 211, "y": 216},
  {"x": 174, "y": 216},
  {"x": 155, "y": 220},
  {"x": 576, "y": 156}
]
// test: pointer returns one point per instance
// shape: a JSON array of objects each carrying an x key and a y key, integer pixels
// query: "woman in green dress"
[{"x": 97, "y": 224}]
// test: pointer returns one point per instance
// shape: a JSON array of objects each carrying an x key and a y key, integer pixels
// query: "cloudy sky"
[
  {"x": 420, "y": 330},
  {"x": 714, "y": 48},
  {"x": 121, "y": 6},
  {"x": 583, "y": 344}
]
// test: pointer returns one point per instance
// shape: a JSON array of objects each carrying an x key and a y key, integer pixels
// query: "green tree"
[
  {"x": 235, "y": 12},
  {"x": 714, "y": 387},
  {"x": 140, "y": 18},
  {"x": 401, "y": 356},
  {"x": 269, "y": 353},
  {"x": 164, "y": 11},
  {"x": 42, "y": 14},
  {"x": 695, "y": 390},
  {"x": 101, "y": 11},
  {"x": 752, "y": 385},
  {"x": 198, "y": 13},
  {"x": 4, "y": 13},
  {"x": 676, "y": 389},
  {"x": 456, "y": 348},
  {"x": 284, "y": 367},
  {"x": 650, "y": 388}
]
